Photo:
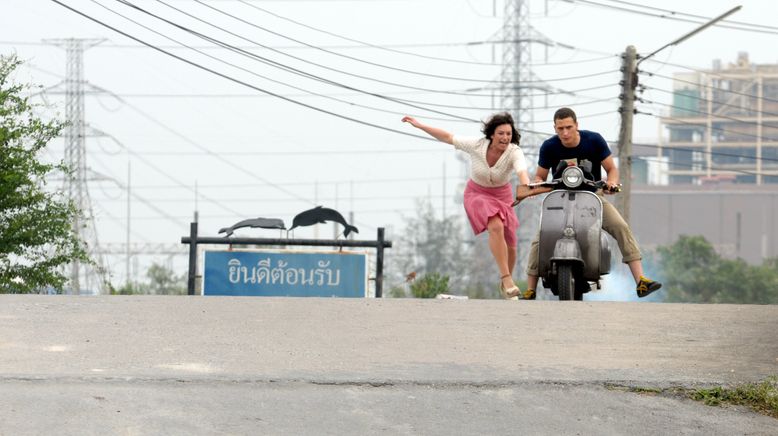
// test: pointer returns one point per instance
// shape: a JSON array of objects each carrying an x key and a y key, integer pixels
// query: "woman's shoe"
[{"x": 511, "y": 293}]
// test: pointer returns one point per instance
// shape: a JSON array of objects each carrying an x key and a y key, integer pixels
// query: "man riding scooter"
[{"x": 568, "y": 144}]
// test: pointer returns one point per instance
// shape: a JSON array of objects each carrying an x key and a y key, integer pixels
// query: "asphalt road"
[{"x": 244, "y": 365}]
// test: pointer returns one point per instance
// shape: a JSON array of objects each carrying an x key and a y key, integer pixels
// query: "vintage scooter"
[{"x": 573, "y": 249}]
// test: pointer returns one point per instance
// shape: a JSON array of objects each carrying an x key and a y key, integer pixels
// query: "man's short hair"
[{"x": 563, "y": 113}]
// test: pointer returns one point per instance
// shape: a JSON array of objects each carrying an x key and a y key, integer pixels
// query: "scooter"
[{"x": 573, "y": 249}]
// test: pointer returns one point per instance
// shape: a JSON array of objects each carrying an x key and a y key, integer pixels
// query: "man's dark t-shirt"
[{"x": 592, "y": 147}]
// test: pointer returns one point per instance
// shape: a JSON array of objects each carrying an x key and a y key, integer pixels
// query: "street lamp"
[{"x": 629, "y": 83}]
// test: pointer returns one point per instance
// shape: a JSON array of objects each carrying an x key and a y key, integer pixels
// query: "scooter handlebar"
[{"x": 532, "y": 189}]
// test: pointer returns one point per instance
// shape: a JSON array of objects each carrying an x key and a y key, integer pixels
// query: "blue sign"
[{"x": 280, "y": 274}]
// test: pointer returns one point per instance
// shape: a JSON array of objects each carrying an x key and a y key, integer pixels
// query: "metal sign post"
[{"x": 194, "y": 240}]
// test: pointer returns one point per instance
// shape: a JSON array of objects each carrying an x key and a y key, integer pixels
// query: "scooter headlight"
[{"x": 572, "y": 177}]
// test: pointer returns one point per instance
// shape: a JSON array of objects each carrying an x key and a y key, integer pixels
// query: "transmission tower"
[
  {"x": 82, "y": 276},
  {"x": 517, "y": 54},
  {"x": 519, "y": 83}
]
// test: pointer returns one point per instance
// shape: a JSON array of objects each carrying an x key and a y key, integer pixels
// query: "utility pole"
[
  {"x": 628, "y": 83},
  {"x": 128, "y": 282}
]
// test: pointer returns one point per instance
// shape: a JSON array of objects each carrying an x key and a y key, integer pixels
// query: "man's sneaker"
[
  {"x": 529, "y": 294},
  {"x": 646, "y": 286}
]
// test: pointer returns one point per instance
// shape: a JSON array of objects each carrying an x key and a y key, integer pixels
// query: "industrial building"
[
  {"x": 714, "y": 172},
  {"x": 723, "y": 125}
]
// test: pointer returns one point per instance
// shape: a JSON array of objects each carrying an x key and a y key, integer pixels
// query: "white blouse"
[{"x": 511, "y": 162}]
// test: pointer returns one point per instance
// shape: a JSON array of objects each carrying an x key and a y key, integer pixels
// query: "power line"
[
  {"x": 591, "y": 100},
  {"x": 238, "y": 81},
  {"x": 306, "y": 94},
  {"x": 287, "y": 200},
  {"x": 371, "y": 152},
  {"x": 314, "y": 46},
  {"x": 708, "y": 73},
  {"x": 714, "y": 168},
  {"x": 698, "y": 124},
  {"x": 693, "y": 15},
  {"x": 318, "y": 48},
  {"x": 708, "y": 114},
  {"x": 301, "y": 183},
  {"x": 676, "y": 18},
  {"x": 699, "y": 85},
  {"x": 312, "y": 153},
  {"x": 208, "y": 70},
  {"x": 205, "y": 151},
  {"x": 703, "y": 151},
  {"x": 705, "y": 100},
  {"x": 573, "y": 93},
  {"x": 386, "y": 48},
  {"x": 268, "y": 62},
  {"x": 167, "y": 175},
  {"x": 281, "y": 213},
  {"x": 602, "y": 55}
]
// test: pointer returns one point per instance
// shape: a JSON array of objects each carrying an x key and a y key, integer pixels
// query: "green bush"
[
  {"x": 693, "y": 272},
  {"x": 430, "y": 285}
]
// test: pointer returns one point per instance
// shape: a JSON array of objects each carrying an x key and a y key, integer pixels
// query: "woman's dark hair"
[
  {"x": 563, "y": 113},
  {"x": 498, "y": 120}
]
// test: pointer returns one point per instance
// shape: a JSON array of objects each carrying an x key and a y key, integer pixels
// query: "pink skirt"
[{"x": 482, "y": 203}]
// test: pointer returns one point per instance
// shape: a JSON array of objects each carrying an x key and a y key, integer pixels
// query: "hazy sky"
[{"x": 250, "y": 154}]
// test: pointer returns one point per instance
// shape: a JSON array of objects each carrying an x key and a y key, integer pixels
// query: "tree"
[
  {"x": 432, "y": 245},
  {"x": 36, "y": 235},
  {"x": 161, "y": 281},
  {"x": 693, "y": 272},
  {"x": 427, "y": 245}
]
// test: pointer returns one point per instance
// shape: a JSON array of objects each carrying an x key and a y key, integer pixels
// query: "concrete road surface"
[{"x": 244, "y": 365}]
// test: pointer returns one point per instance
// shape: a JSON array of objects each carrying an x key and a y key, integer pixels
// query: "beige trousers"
[{"x": 613, "y": 223}]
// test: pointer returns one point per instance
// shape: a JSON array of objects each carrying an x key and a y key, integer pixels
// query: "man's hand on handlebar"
[{"x": 611, "y": 188}]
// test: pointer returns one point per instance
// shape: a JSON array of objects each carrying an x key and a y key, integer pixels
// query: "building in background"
[
  {"x": 714, "y": 171},
  {"x": 723, "y": 125},
  {"x": 739, "y": 220}
]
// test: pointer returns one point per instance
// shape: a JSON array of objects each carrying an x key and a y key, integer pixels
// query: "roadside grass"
[
  {"x": 762, "y": 397},
  {"x": 638, "y": 389},
  {"x": 645, "y": 390}
]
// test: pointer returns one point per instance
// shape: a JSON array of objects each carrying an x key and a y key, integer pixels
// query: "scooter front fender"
[{"x": 566, "y": 249}]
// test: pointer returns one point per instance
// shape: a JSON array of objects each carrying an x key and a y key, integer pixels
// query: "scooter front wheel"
[{"x": 565, "y": 282}]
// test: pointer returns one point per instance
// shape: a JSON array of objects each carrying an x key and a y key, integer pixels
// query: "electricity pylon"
[{"x": 83, "y": 277}]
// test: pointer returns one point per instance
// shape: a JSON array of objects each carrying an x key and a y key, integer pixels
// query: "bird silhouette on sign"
[
  {"x": 318, "y": 215},
  {"x": 265, "y": 223}
]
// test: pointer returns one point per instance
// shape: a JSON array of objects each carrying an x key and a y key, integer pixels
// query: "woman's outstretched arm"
[
  {"x": 439, "y": 134},
  {"x": 523, "y": 177}
]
